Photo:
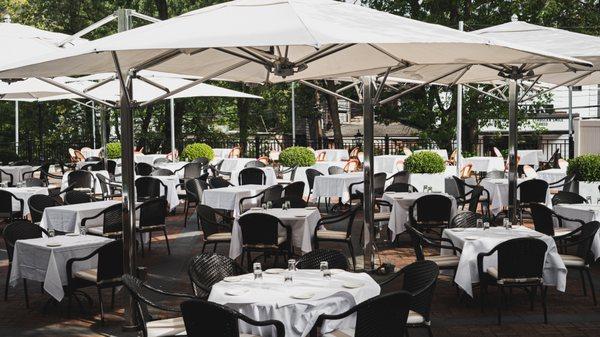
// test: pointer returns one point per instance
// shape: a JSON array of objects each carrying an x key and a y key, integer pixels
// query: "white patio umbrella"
[{"x": 275, "y": 41}]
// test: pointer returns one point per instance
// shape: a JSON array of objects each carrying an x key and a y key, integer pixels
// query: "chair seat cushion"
[
  {"x": 493, "y": 272},
  {"x": 225, "y": 236},
  {"x": 572, "y": 261},
  {"x": 445, "y": 261},
  {"x": 166, "y": 327},
  {"x": 87, "y": 274},
  {"x": 327, "y": 234},
  {"x": 381, "y": 216},
  {"x": 340, "y": 333},
  {"x": 414, "y": 318}
]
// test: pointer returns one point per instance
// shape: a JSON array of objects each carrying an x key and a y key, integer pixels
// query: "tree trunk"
[
  {"x": 145, "y": 125},
  {"x": 161, "y": 7},
  {"x": 334, "y": 114},
  {"x": 243, "y": 115},
  {"x": 116, "y": 123}
]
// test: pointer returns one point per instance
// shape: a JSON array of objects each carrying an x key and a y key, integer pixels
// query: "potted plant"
[
  {"x": 113, "y": 150},
  {"x": 426, "y": 168},
  {"x": 197, "y": 150},
  {"x": 586, "y": 169},
  {"x": 297, "y": 156}
]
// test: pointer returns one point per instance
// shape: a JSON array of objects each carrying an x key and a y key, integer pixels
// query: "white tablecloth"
[
  {"x": 271, "y": 299},
  {"x": 221, "y": 153},
  {"x": 441, "y": 152},
  {"x": 530, "y": 157},
  {"x": 228, "y": 198},
  {"x": 388, "y": 163},
  {"x": 302, "y": 221},
  {"x": 67, "y": 218},
  {"x": 336, "y": 185},
  {"x": 33, "y": 260},
  {"x": 552, "y": 175},
  {"x": 147, "y": 158},
  {"x": 555, "y": 272},
  {"x": 583, "y": 212},
  {"x": 498, "y": 189},
  {"x": 485, "y": 164},
  {"x": 91, "y": 152},
  {"x": 171, "y": 182},
  {"x": 174, "y": 167},
  {"x": 401, "y": 203},
  {"x": 234, "y": 164},
  {"x": 16, "y": 171},
  {"x": 333, "y": 154},
  {"x": 269, "y": 173},
  {"x": 24, "y": 193},
  {"x": 321, "y": 166},
  {"x": 65, "y": 180}
]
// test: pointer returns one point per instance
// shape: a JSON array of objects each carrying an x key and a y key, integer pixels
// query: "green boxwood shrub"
[
  {"x": 424, "y": 162},
  {"x": 197, "y": 150},
  {"x": 585, "y": 167},
  {"x": 297, "y": 156},
  {"x": 113, "y": 150}
]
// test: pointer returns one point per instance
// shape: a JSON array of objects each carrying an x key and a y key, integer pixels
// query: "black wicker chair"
[
  {"x": 111, "y": 167},
  {"x": 112, "y": 222},
  {"x": 294, "y": 202},
  {"x": 193, "y": 191},
  {"x": 564, "y": 197},
  {"x": 143, "y": 169},
  {"x": 252, "y": 176},
  {"x": 520, "y": 265},
  {"x": 153, "y": 214},
  {"x": 82, "y": 180},
  {"x": 191, "y": 171},
  {"x": 212, "y": 232},
  {"x": 270, "y": 194},
  {"x": 42, "y": 169},
  {"x": 106, "y": 275},
  {"x": 146, "y": 296},
  {"x": 399, "y": 177},
  {"x": 465, "y": 219},
  {"x": 205, "y": 270},
  {"x": 431, "y": 211},
  {"x": 37, "y": 204},
  {"x": 161, "y": 172},
  {"x": 567, "y": 184},
  {"x": 6, "y": 206},
  {"x": 218, "y": 182},
  {"x": 99, "y": 166},
  {"x": 472, "y": 198},
  {"x": 19, "y": 230},
  {"x": 10, "y": 179},
  {"x": 202, "y": 161},
  {"x": 203, "y": 318},
  {"x": 530, "y": 192},
  {"x": 108, "y": 188},
  {"x": 312, "y": 260},
  {"x": 77, "y": 197},
  {"x": 344, "y": 236},
  {"x": 419, "y": 279},
  {"x": 544, "y": 219},
  {"x": 420, "y": 240},
  {"x": 379, "y": 180},
  {"x": 148, "y": 188},
  {"x": 294, "y": 190},
  {"x": 260, "y": 233},
  {"x": 310, "y": 178},
  {"x": 582, "y": 238},
  {"x": 374, "y": 317},
  {"x": 401, "y": 187}
]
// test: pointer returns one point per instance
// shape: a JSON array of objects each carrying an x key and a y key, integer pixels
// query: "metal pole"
[
  {"x": 41, "y": 146},
  {"x": 172, "y": 101},
  {"x": 571, "y": 142},
  {"x": 369, "y": 229},
  {"x": 94, "y": 125},
  {"x": 512, "y": 146},
  {"x": 103, "y": 135},
  {"x": 293, "y": 114},
  {"x": 459, "y": 97},
  {"x": 17, "y": 127}
]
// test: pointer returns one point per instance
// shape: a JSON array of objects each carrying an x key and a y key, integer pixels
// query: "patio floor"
[{"x": 570, "y": 314}]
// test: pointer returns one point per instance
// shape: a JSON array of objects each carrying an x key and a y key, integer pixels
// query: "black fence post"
[
  {"x": 29, "y": 150},
  {"x": 257, "y": 146},
  {"x": 386, "y": 144}
]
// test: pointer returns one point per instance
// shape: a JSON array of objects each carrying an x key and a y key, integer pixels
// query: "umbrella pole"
[
  {"x": 293, "y": 85},
  {"x": 17, "y": 127},
  {"x": 103, "y": 135},
  {"x": 93, "y": 125},
  {"x": 459, "y": 113},
  {"x": 172, "y": 101},
  {"x": 369, "y": 229},
  {"x": 512, "y": 146},
  {"x": 571, "y": 142}
]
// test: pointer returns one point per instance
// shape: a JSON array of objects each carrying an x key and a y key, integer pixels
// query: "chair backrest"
[
  {"x": 344, "y": 219},
  {"x": 20, "y": 230},
  {"x": 259, "y": 229},
  {"x": 37, "y": 204},
  {"x": 497, "y": 152},
  {"x": 79, "y": 156},
  {"x": 194, "y": 189},
  {"x": 110, "y": 262},
  {"x": 564, "y": 197},
  {"x": 465, "y": 219},
  {"x": 34, "y": 182},
  {"x": 205, "y": 270},
  {"x": 77, "y": 197},
  {"x": 375, "y": 319},
  {"x": 569, "y": 184},
  {"x": 252, "y": 176},
  {"x": 420, "y": 278},
  {"x": 407, "y": 151},
  {"x": 322, "y": 156},
  {"x": 143, "y": 169},
  {"x": 466, "y": 171},
  {"x": 148, "y": 188},
  {"x": 400, "y": 177},
  {"x": 310, "y": 177},
  {"x": 234, "y": 153},
  {"x": 563, "y": 164},
  {"x": 379, "y": 180},
  {"x": 416, "y": 238},
  {"x": 529, "y": 171},
  {"x": 521, "y": 258},
  {"x": 104, "y": 184},
  {"x": 295, "y": 190},
  {"x": 81, "y": 179},
  {"x": 401, "y": 187},
  {"x": 193, "y": 170},
  {"x": 335, "y": 170},
  {"x": 431, "y": 209},
  {"x": 312, "y": 260},
  {"x": 153, "y": 212},
  {"x": 207, "y": 218},
  {"x": 295, "y": 202},
  {"x": 543, "y": 219},
  {"x": 354, "y": 152},
  {"x": 161, "y": 172},
  {"x": 111, "y": 166},
  {"x": 202, "y": 161},
  {"x": 586, "y": 240},
  {"x": 352, "y": 165},
  {"x": 264, "y": 160},
  {"x": 534, "y": 190},
  {"x": 218, "y": 182},
  {"x": 272, "y": 194},
  {"x": 112, "y": 221}
]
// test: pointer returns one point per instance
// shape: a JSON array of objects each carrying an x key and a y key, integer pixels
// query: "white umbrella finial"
[
  {"x": 514, "y": 18},
  {"x": 7, "y": 18}
]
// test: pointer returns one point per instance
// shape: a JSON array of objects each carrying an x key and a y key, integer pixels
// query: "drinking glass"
[
  {"x": 292, "y": 265},
  {"x": 589, "y": 199},
  {"x": 256, "y": 267},
  {"x": 479, "y": 223},
  {"x": 269, "y": 205},
  {"x": 486, "y": 225},
  {"x": 324, "y": 265},
  {"x": 51, "y": 232},
  {"x": 82, "y": 230},
  {"x": 598, "y": 201},
  {"x": 288, "y": 277},
  {"x": 506, "y": 223},
  {"x": 425, "y": 188},
  {"x": 264, "y": 206}
]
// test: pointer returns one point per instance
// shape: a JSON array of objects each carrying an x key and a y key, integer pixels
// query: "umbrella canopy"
[
  {"x": 34, "y": 90},
  {"x": 285, "y": 40}
]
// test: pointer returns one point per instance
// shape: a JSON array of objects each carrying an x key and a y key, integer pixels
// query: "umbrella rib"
[
  {"x": 245, "y": 57},
  {"x": 122, "y": 83},
  {"x": 570, "y": 82},
  {"x": 530, "y": 88},
  {"x": 74, "y": 91},
  {"x": 99, "y": 84},
  {"x": 380, "y": 89},
  {"x": 388, "y": 54},
  {"x": 324, "y": 52},
  {"x": 152, "y": 83},
  {"x": 160, "y": 59},
  {"x": 485, "y": 92},
  {"x": 329, "y": 92}
]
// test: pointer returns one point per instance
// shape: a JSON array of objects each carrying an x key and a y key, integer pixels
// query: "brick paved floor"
[{"x": 570, "y": 314}]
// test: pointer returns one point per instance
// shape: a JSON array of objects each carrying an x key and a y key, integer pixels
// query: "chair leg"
[
  {"x": 142, "y": 243},
  {"x": 589, "y": 275},
  {"x": 7, "y": 281},
  {"x": 544, "y": 292},
  {"x": 352, "y": 255},
  {"x": 204, "y": 247},
  {"x": 149, "y": 241},
  {"x": 583, "y": 282},
  {"x": 112, "y": 298},
  {"x": 167, "y": 241},
  {"x": 101, "y": 304},
  {"x": 185, "y": 212},
  {"x": 532, "y": 297},
  {"x": 483, "y": 292},
  {"x": 26, "y": 293},
  {"x": 499, "y": 304},
  {"x": 249, "y": 260},
  {"x": 429, "y": 332},
  {"x": 215, "y": 248}
]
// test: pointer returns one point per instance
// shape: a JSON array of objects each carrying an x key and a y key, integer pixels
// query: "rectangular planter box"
[{"x": 436, "y": 181}]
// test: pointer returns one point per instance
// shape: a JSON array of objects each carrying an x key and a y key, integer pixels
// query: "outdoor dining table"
[
  {"x": 24, "y": 193},
  {"x": 221, "y": 153},
  {"x": 45, "y": 260},
  {"x": 333, "y": 154},
  {"x": 147, "y": 158},
  {"x": 271, "y": 177},
  {"x": 485, "y": 164},
  {"x": 498, "y": 189},
  {"x": 552, "y": 175},
  {"x": 16, "y": 172},
  {"x": 473, "y": 241},
  {"x": 67, "y": 218},
  {"x": 91, "y": 152},
  {"x": 297, "y": 305},
  {"x": 234, "y": 164},
  {"x": 65, "y": 180},
  {"x": 401, "y": 203},
  {"x": 228, "y": 198},
  {"x": 321, "y": 166},
  {"x": 584, "y": 212},
  {"x": 174, "y": 166},
  {"x": 530, "y": 157},
  {"x": 336, "y": 185},
  {"x": 388, "y": 163},
  {"x": 302, "y": 221},
  {"x": 441, "y": 152}
]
